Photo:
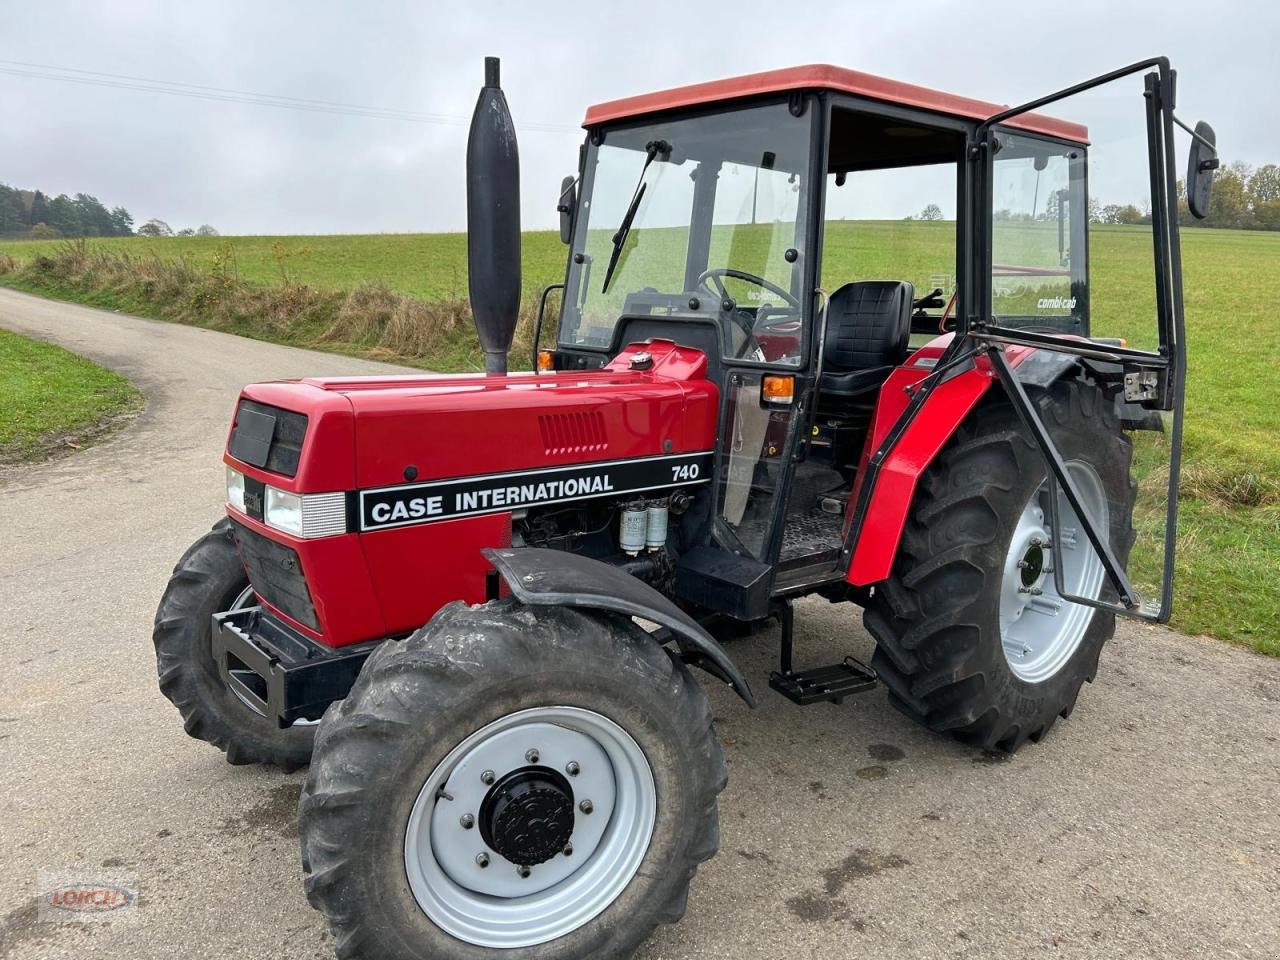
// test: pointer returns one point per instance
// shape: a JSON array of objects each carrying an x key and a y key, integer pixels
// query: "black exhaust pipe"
[{"x": 493, "y": 221}]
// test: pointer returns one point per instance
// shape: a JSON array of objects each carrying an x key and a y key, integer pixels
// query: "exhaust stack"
[{"x": 493, "y": 221}]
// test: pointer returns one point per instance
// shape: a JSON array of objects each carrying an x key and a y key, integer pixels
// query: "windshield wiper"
[{"x": 651, "y": 149}]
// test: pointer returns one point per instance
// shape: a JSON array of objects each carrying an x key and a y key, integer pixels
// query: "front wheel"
[
  {"x": 540, "y": 781},
  {"x": 972, "y": 636}
]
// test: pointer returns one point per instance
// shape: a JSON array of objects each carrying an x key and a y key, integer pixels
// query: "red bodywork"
[
  {"x": 363, "y": 432},
  {"x": 821, "y": 76},
  {"x": 942, "y": 413}
]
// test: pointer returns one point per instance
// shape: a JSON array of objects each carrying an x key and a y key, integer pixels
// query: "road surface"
[{"x": 1146, "y": 826}]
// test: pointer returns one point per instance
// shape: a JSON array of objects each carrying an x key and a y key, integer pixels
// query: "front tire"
[
  {"x": 207, "y": 580},
  {"x": 963, "y": 642},
  {"x": 443, "y": 815}
]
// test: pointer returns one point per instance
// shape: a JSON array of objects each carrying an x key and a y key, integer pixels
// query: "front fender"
[{"x": 542, "y": 577}]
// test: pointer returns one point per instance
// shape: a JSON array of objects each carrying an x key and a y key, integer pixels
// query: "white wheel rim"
[
  {"x": 1039, "y": 630},
  {"x": 495, "y": 905}
]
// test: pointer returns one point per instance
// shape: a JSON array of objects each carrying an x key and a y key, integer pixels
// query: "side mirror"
[
  {"x": 1202, "y": 161},
  {"x": 568, "y": 200}
]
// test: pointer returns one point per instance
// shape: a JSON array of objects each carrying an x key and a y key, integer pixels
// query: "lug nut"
[
  {"x": 586, "y": 806},
  {"x": 467, "y": 821},
  {"x": 532, "y": 756},
  {"x": 572, "y": 768},
  {"x": 482, "y": 860},
  {"x": 487, "y": 778},
  {"x": 524, "y": 872}
]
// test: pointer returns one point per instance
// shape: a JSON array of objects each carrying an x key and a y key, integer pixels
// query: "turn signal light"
[
  {"x": 546, "y": 362},
  {"x": 778, "y": 389}
]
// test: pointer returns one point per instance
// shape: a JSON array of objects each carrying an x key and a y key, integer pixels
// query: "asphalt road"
[{"x": 1146, "y": 826}]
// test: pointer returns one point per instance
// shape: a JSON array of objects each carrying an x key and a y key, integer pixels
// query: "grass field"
[
  {"x": 1229, "y": 537},
  {"x": 54, "y": 400}
]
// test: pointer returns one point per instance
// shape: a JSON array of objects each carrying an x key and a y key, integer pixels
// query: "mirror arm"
[
  {"x": 1196, "y": 136},
  {"x": 537, "y": 327}
]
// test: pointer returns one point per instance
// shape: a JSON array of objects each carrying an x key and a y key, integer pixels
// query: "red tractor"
[{"x": 472, "y": 603}]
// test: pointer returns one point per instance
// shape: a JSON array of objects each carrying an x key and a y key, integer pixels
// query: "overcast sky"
[{"x": 257, "y": 169}]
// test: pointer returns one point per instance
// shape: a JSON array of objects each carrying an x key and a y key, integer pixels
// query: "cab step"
[{"x": 819, "y": 684}]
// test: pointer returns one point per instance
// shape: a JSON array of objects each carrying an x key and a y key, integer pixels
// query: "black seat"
[{"x": 868, "y": 331}]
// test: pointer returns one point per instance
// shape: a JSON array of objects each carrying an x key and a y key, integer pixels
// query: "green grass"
[
  {"x": 1229, "y": 535},
  {"x": 54, "y": 400},
  {"x": 425, "y": 266}
]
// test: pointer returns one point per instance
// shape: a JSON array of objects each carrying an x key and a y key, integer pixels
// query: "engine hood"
[{"x": 435, "y": 427}]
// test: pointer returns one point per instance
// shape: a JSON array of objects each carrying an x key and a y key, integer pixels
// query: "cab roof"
[{"x": 822, "y": 76}]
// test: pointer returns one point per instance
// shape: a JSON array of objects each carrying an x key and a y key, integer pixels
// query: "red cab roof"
[{"x": 821, "y": 76}]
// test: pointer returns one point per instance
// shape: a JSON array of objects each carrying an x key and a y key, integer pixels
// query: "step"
[{"x": 822, "y": 684}]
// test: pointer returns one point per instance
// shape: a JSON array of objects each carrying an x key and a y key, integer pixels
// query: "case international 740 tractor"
[{"x": 473, "y": 603}]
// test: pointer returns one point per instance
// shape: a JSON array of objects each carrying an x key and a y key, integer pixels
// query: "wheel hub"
[
  {"x": 527, "y": 816},
  {"x": 530, "y": 826},
  {"x": 1032, "y": 564}
]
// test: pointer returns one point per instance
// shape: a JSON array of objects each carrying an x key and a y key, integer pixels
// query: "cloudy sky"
[{"x": 259, "y": 169}]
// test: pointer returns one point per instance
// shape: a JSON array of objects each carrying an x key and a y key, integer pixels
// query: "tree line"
[
  {"x": 1244, "y": 198},
  {"x": 34, "y": 214}
]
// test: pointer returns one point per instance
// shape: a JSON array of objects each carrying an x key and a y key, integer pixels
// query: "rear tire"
[
  {"x": 207, "y": 580},
  {"x": 384, "y": 754},
  {"x": 937, "y": 620}
]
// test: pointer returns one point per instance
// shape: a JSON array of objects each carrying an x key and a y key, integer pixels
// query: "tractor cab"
[{"x": 749, "y": 219}]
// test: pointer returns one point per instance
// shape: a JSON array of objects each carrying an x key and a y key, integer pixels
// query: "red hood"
[{"x": 452, "y": 426}]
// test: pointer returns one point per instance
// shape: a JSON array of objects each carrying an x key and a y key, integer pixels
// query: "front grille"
[
  {"x": 276, "y": 574},
  {"x": 286, "y": 439}
]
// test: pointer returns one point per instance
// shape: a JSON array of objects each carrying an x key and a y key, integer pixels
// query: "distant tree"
[
  {"x": 38, "y": 212},
  {"x": 1264, "y": 184},
  {"x": 1130, "y": 214},
  {"x": 186, "y": 232},
  {"x": 42, "y": 231},
  {"x": 1266, "y": 216},
  {"x": 931, "y": 212},
  {"x": 207, "y": 231},
  {"x": 11, "y": 210},
  {"x": 155, "y": 228},
  {"x": 64, "y": 217},
  {"x": 1230, "y": 205},
  {"x": 121, "y": 222}
]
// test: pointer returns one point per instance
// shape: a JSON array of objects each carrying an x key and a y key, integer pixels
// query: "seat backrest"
[{"x": 868, "y": 325}]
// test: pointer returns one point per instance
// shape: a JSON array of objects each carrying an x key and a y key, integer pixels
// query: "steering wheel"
[{"x": 745, "y": 322}]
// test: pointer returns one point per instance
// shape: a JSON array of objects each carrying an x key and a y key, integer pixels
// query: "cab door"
[{"x": 1099, "y": 300}]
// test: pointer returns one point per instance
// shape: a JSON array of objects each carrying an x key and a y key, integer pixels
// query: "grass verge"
[{"x": 55, "y": 401}]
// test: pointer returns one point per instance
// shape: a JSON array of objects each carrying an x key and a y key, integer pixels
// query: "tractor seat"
[{"x": 868, "y": 331}]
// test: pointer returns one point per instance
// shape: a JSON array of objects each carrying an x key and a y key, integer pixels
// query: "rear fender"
[
  {"x": 542, "y": 577},
  {"x": 897, "y": 467}
]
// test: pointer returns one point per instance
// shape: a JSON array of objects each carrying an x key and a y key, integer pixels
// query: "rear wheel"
[
  {"x": 972, "y": 636},
  {"x": 540, "y": 781},
  {"x": 207, "y": 580}
]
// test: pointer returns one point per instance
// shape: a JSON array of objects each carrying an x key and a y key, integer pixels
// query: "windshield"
[{"x": 700, "y": 219}]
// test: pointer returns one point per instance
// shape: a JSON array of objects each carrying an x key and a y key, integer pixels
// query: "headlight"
[
  {"x": 235, "y": 489},
  {"x": 306, "y": 515},
  {"x": 302, "y": 514},
  {"x": 283, "y": 511}
]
